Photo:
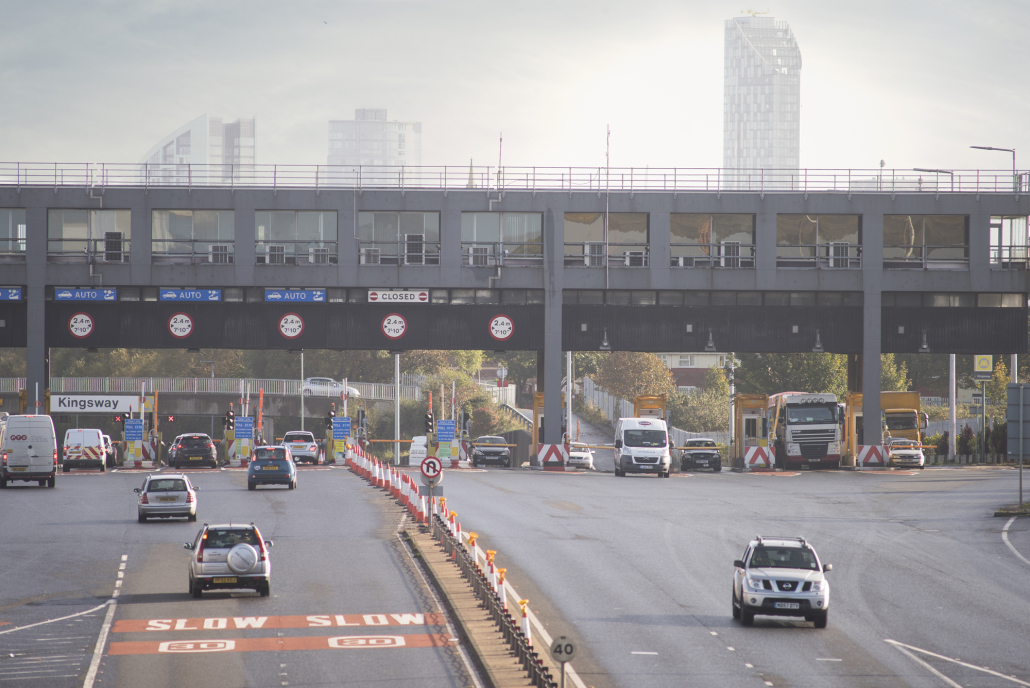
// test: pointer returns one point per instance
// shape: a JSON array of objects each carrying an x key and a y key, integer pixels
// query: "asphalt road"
[
  {"x": 339, "y": 574},
  {"x": 638, "y": 571}
]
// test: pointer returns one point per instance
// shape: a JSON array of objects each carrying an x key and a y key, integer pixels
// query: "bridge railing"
[{"x": 489, "y": 178}]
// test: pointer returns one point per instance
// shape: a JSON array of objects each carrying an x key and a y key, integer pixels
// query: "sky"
[{"x": 911, "y": 83}]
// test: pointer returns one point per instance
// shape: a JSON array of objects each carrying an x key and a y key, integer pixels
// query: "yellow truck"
[
  {"x": 649, "y": 406},
  {"x": 901, "y": 417}
]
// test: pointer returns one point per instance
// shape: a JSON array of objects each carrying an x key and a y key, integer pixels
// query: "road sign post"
[
  {"x": 432, "y": 475},
  {"x": 562, "y": 651}
]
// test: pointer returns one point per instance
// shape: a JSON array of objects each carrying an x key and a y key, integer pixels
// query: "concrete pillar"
[
  {"x": 872, "y": 269},
  {"x": 35, "y": 293},
  {"x": 554, "y": 251},
  {"x": 855, "y": 373}
]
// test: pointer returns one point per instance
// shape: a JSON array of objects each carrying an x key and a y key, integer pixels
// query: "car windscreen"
[
  {"x": 167, "y": 485},
  {"x": 491, "y": 440},
  {"x": 695, "y": 444},
  {"x": 230, "y": 537},
  {"x": 644, "y": 438},
  {"x": 810, "y": 414},
  {"x": 903, "y": 444},
  {"x": 899, "y": 421},
  {"x": 784, "y": 558},
  {"x": 270, "y": 454},
  {"x": 299, "y": 437},
  {"x": 194, "y": 441}
]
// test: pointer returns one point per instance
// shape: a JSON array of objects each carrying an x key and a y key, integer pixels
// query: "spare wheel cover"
[{"x": 242, "y": 558}]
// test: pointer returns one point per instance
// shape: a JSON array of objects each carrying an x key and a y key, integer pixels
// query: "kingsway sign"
[{"x": 93, "y": 403}]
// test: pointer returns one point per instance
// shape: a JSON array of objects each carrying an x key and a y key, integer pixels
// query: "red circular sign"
[
  {"x": 81, "y": 325},
  {"x": 501, "y": 328},
  {"x": 291, "y": 325},
  {"x": 394, "y": 326},
  {"x": 373, "y": 296},
  {"x": 180, "y": 325},
  {"x": 423, "y": 296}
]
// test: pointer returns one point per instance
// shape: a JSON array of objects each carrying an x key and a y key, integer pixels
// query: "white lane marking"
[
  {"x": 639, "y": 653},
  {"x": 905, "y": 648},
  {"x": 731, "y": 649},
  {"x": 713, "y": 632},
  {"x": 749, "y": 666},
  {"x": 828, "y": 659},
  {"x": 1005, "y": 538},
  {"x": 70, "y": 616},
  {"x": 768, "y": 683},
  {"x": 98, "y": 651}
]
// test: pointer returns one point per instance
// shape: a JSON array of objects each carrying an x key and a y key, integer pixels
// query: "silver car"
[
  {"x": 581, "y": 456},
  {"x": 905, "y": 453},
  {"x": 303, "y": 446},
  {"x": 166, "y": 495},
  {"x": 229, "y": 556}
]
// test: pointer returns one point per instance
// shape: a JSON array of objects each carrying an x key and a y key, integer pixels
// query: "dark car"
[
  {"x": 490, "y": 449},
  {"x": 194, "y": 450},
  {"x": 272, "y": 465},
  {"x": 700, "y": 452}
]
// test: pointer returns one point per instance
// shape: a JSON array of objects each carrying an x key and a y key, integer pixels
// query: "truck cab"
[{"x": 808, "y": 429}]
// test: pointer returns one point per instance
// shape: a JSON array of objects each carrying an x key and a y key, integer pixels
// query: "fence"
[
  {"x": 615, "y": 408},
  {"x": 502, "y": 395}
]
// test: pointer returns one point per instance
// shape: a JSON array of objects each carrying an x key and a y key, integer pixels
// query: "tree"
[
  {"x": 700, "y": 410},
  {"x": 893, "y": 374},
  {"x": 808, "y": 372},
  {"x": 997, "y": 386},
  {"x": 717, "y": 383},
  {"x": 626, "y": 374}
]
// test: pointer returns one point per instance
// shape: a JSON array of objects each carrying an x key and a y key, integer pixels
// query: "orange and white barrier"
[
  {"x": 524, "y": 606},
  {"x": 757, "y": 457},
  {"x": 871, "y": 456},
  {"x": 552, "y": 457},
  {"x": 501, "y": 593}
]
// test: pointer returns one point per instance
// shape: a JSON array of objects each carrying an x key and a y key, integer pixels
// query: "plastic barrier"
[
  {"x": 871, "y": 456},
  {"x": 757, "y": 457}
]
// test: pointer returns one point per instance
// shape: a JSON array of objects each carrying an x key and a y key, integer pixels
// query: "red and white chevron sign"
[{"x": 552, "y": 456}]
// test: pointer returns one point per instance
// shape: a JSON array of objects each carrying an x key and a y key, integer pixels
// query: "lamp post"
[
  {"x": 212, "y": 367},
  {"x": 301, "y": 352}
]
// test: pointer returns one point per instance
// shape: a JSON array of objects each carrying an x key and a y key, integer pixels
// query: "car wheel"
[
  {"x": 821, "y": 619},
  {"x": 191, "y": 517},
  {"x": 42, "y": 483},
  {"x": 265, "y": 589},
  {"x": 141, "y": 518},
  {"x": 103, "y": 468},
  {"x": 293, "y": 485},
  {"x": 195, "y": 589},
  {"x": 717, "y": 467},
  {"x": 922, "y": 467},
  {"x": 251, "y": 486},
  {"x": 747, "y": 617},
  {"x": 65, "y": 468},
  {"x": 51, "y": 482},
  {"x": 3, "y": 483},
  {"x": 736, "y": 609}
]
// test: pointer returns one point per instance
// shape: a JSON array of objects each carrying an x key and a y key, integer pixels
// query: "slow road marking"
[
  {"x": 242, "y": 622},
  {"x": 342, "y": 642}
]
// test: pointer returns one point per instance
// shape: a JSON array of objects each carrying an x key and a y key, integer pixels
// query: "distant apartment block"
[
  {"x": 761, "y": 95},
  {"x": 372, "y": 143},
  {"x": 688, "y": 369},
  {"x": 222, "y": 151}
]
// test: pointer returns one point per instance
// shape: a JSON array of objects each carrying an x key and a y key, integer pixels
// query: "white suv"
[
  {"x": 229, "y": 556},
  {"x": 780, "y": 576}
]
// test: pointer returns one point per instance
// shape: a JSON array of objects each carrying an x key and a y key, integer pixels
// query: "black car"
[
  {"x": 700, "y": 453},
  {"x": 195, "y": 449},
  {"x": 490, "y": 449},
  {"x": 272, "y": 465}
]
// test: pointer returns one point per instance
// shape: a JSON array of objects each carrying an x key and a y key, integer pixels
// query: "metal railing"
[
  {"x": 713, "y": 255},
  {"x": 87, "y": 250},
  {"x": 480, "y": 254},
  {"x": 13, "y": 247},
  {"x": 399, "y": 252},
  {"x": 829, "y": 256},
  {"x": 273, "y": 252},
  {"x": 191, "y": 252},
  {"x": 490, "y": 178},
  {"x": 594, "y": 254},
  {"x": 1009, "y": 257},
  {"x": 925, "y": 256},
  {"x": 501, "y": 395},
  {"x": 517, "y": 415}
]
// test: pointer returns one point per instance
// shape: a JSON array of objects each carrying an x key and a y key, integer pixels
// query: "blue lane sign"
[
  {"x": 191, "y": 294},
  {"x": 341, "y": 428},
  {"x": 295, "y": 295},
  {"x": 72, "y": 294},
  {"x": 10, "y": 294},
  {"x": 445, "y": 431},
  {"x": 244, "y": 428},
  {"x": 133, "y": 429}
]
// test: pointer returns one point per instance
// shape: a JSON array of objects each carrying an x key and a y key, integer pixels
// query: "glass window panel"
[
  {"x": 690, "y": 228},
  {"x": 853, "y": 299},
  {"x": 366, "y": 226},
  {"x": 463, "y": 296},
  {"x": 902, "y": 230},
  {"x": 150, "y": 293},
  {"x": 66, "y": 224},
  {"x": 232, "y": 294},
  {"x": 487, "y": 296},
  {"x": 386, "y": 227},
  {"x": 205, "y": 225},
  {"x": 749, "y": 298},
  {"x": 431, "y": 222},
  {"x": 966, "y": 300},
  {"x": 104, "y": 221},
  {"x": 670, "y": 298},
  {"x": 481, "y": 227},
  {"x": 1013, "y": 300},
  {"x": 284, "y": 226},
  {"x": 263, "y": 225},
  {"x": 439, "y": 296},
  {"x": 724, "y": 298},
  {"x": 412, "y": 223},
  {"x": 695, "y": 298},
  {"x": 642, "y": 298},
  {"x": 988, "y": 300},
  {"x": 128, "y": 293},
  {"x": 627, "y": 228},
  {"x": 618, "y": 298},
  {"x": 534, "y": 296},
  {"x": 947, "y": 236},
  {"x": 802, "y": 298},
  {"x": 937, "y": 300},
  {"x": 839, "y": 228},
  {"x": 311, "y": 227},
  {"x": 777, "y": 298},
  {"x": 583, "y": 227},
  {"x": 336, "y": 295},
  {"x": 733, "y": 228},
  {"x": 570, "y": 297},
  {"x": 907, "y": 299},
  {"x": 591, "y": 297},
  {"x": 513, "y": 296},
  {"x": 523, "y": 228},
  {"x": 795, "y": 230}
]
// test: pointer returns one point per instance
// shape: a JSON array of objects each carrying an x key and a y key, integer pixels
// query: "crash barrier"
[
  {"x": 871, "y": 456},
  {"x": 553, "y": 457},
  {"x": 757, "y": 457},
  {"x": 486, "y": 580}
]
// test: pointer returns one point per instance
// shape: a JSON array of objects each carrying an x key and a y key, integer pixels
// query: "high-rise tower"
[{"x": 761, "y": 95}]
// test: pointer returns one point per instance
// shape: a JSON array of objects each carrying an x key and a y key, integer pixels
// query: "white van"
[
  {"x": 84, "y": 448},
  {"x": 642, "y": 446},
  {"x": 28, "y": 450},
  {"x": 418, "y": 451}
]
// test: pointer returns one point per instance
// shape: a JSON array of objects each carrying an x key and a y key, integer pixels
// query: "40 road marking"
[
  {"x": 343, "y": 642},
  {"x": 243, "y": 622}
]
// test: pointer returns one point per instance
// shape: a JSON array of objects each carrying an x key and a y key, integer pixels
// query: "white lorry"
[{"x": 642, "y": 446}]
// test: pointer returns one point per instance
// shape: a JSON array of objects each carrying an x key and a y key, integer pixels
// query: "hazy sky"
[{"x": 914, "y": 83}]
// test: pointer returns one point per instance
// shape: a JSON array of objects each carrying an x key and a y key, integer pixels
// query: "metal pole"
[
  {"x": 729, "y": 441},
  {"x": 568, "y": 398},
  {"x": 1015, "y": 369},
  {"x": 1021, "y": 445},
  {"x": 983, "y": 421},
  {"x": 397, "y": 408},
  {"x": 951, "y": 407},
  {"x": 302, "y": 390}
]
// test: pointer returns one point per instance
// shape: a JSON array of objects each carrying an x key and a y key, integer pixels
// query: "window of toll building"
[
  {"x": 625, "y": 244},
  {"x": 502, "y": 239},
  {"x": 932, "y": 242},
  {"x": 388, "y": 238},
  {"x": 81, "y": 236},
  {"x": 295, "y": 237},
  {"x": 193, "y": 236},
  {"x": 1008, "y": 242},
  {"x": 12, "y": 235},
  {"x": 704, "y": 240},
  {"x": 819, "y": 241}
]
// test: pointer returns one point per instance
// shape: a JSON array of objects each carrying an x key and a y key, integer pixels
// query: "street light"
[
  {"x": 934, "y": 171},
  {"x": 1004, "y": 150},
  {"x": 212, "y": 367},
  {"x": 301, "y": 352}
]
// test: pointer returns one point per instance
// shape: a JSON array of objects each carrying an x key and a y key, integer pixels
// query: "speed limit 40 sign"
[{"x": 563, "y": 649}]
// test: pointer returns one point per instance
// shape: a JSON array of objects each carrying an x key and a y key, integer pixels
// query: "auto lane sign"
[
  {"x": 134, "y": 430},
  {"x": 80, "y": 325},
  {"x": 180, "y": 325},
  {"x": 295, "y": 295},
  {"x": 341, "y": 428},
  {"x": 398, "y": 296},
  {"x": 291, "y": 325},
  {"x": 72, "y": 294},
  {"x": 191, "y": 294},
  {"x": 394, "y": 326},
  {"x": 244, "y": 426},
  {"x": 983, "y": 367},
  {"x": 444, "y": 431},
  {"x": 501, "y": 328},
  {"x": 10, "y": 294}
]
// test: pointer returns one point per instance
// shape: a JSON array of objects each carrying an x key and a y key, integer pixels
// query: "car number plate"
[
  {"x": 19, "y": 468},
  {"x": 788, "y": 605},
  {"x": 166, "y": 499},
  {"x": 224, "y": 580},
  {"x": 270, "y": 468},
  {"x": 196, "y": 458},
  {"x": 702, "y": 462}
]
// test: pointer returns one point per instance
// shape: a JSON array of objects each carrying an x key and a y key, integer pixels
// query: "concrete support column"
[
  {"x": 554, "y": 251},
  {"x": 872, "y": 271},
  {"x": 35, "y": 293}
]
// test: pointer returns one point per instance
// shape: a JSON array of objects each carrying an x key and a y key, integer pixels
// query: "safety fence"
[
  {"x": 501, "y": 395},
  {"x": 486, "y": 580},
  {"x": 98, "y": 176},
  {"x": 614, "y": 408},
  {"x": 519, "y": 416}
]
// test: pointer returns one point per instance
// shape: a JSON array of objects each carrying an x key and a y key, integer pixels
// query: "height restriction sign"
[{"x": 983, "y": 367}]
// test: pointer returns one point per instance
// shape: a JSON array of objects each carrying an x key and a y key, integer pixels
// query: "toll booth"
[
  {"x": 750, "y": 423},
  {"x": 649, "y": 406}
]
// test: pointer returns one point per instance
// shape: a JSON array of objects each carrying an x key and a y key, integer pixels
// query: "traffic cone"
[
  {"x": 500, "y": 589},
  {"x": 524, "y": 605}
]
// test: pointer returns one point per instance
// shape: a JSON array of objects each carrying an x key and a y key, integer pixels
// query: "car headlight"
[
  {"x": 793, "y": 449},
  {"x": 818, "y": 586},
  {"x": 834, "y": 448},
  {"x": 755, "y": 583}
]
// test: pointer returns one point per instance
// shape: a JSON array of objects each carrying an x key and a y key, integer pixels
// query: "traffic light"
[
  {"x": 466, "y": 424},
  {"x": 429, "y": 423},
  {"x": 230, "y": 419},
  {"x": 329, "y": 420}
]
